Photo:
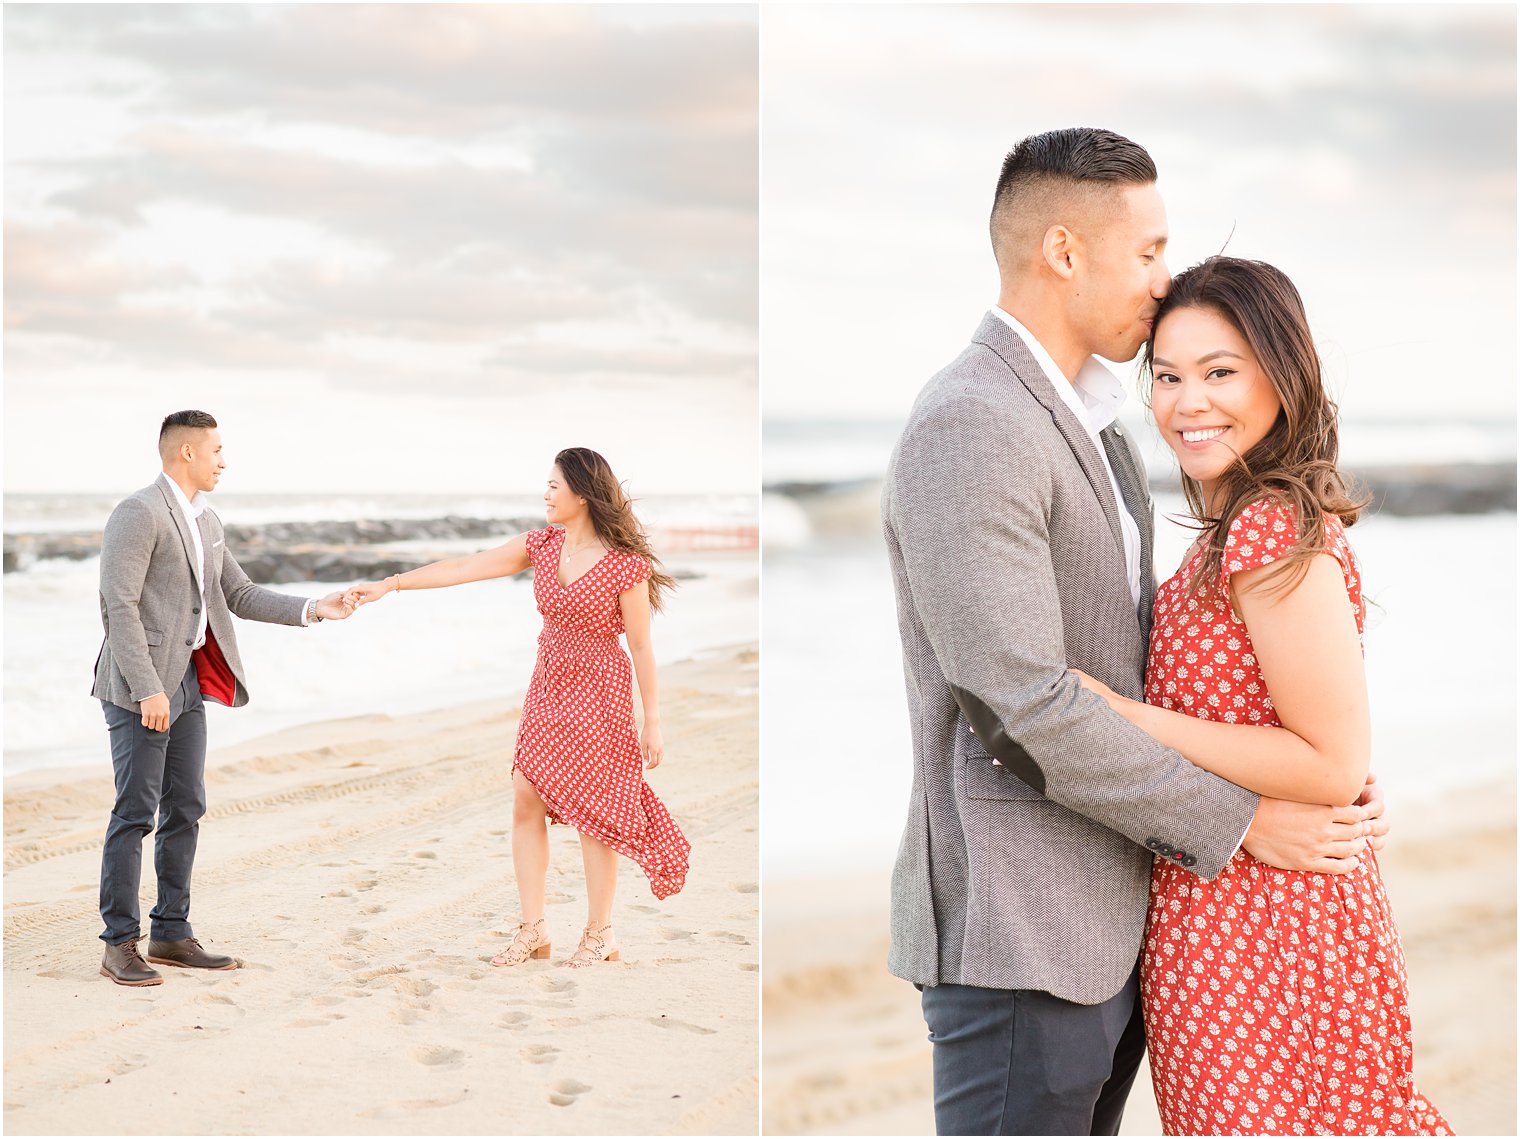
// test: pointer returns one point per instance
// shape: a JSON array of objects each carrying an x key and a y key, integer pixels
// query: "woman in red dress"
[
  {"x": 579, "y": 759},
  {"x": 1275, "y": 1001}
]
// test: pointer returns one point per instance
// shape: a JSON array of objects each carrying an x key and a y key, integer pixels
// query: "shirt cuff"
[{"x": 306, "y": 608}]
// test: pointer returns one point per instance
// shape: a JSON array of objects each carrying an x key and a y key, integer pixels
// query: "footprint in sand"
[
  {"x": 340, "y": 894},
  {"x": 371, "y": 909},
  {"x": 564, "y": 1093},
  {"x": 540, "y": 1053},
  {"x": 731, "y": 938},
  {"x": 438, "y": 1056},
  {"x": 744, "y": 887},
  {"x": 513, "y": 1020},
  {"x": 327, "y": 1001},
  {"x": 750, "y": 966},
  {"x": 127, "y": 1064},
  {"x": 308, "y": 1022},
  {"x": 670, "y": 933},
  {"x": 496, "y": 834},
  {"x": 673, "y": 961},
  {"x": 405, "y": 1015},
  {"x": 680, "y": 1025},
  {"x": 556, "y": 985},
  {"x": 354, "y": 936},
  {"x": 364, "y": 884},
  {"x": 218, "y": 999},
  {"x": 645, "y": 909},
  {"x": 424, "y": 854}
]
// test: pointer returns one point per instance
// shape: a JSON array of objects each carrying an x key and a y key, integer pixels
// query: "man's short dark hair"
[
  {"x": 185, "y": 419},
  {"x": 1074, "y": 168},
  {"x": 172, "y": 433}
]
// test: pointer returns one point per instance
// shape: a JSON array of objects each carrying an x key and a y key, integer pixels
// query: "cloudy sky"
[
  {"x": 391, "y": 248},
  {"x": 1368, "y": 150}
]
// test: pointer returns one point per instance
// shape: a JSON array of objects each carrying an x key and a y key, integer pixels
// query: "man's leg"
[
  {"x": 181, "y": 806},
  {"x": 137, "y": 755},
  {"x": 1022, "y": 1062},
  {"x": 1127, "y": 1056}
]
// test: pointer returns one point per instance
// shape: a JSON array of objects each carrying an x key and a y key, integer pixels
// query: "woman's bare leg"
[
  {"x": 530, "y": 847},
  {"x": 601, "y": 864}
]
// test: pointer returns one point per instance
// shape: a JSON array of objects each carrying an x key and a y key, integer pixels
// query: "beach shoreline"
[{"x": 361, "y": 870}]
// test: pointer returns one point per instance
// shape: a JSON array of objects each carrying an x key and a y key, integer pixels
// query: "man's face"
[
  {"x": 1122, "y": 275},
  {"x": 206, "y": 465}
]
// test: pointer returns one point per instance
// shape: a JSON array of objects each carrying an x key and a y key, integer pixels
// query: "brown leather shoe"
[
  {"x": 124, "y": 964},
  {"x": 188, "y": 954}
]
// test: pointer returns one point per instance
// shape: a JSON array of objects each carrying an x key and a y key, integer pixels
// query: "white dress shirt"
[
  {"x": 192, "y": 509},
  {"x": 1094, "y": 397}
]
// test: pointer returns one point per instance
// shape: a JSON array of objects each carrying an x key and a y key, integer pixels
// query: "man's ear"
[{"x": 1059, "y": 249}]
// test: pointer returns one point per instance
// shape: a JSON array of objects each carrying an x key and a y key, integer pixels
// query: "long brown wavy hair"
[
  {"x": 1295, "y": 464},
  {"x": 590, "y": 477}
]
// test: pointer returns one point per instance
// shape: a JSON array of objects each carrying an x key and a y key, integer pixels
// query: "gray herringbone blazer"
[
  {"x": 150, "y": 602},
  {"x": 1008, "y": 564}
]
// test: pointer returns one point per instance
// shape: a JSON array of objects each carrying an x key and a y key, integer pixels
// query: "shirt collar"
[
  {"x": 193, "y": 507},
  {"x": 1099, "y": 390}
]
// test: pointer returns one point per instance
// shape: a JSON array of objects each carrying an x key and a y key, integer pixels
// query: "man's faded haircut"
[
  {"x": 1064, "y": 176},
  {"x": 174, "y": 427}
]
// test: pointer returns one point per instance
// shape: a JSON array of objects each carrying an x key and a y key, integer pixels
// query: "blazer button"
[
  {"x": 1153, "y": 843},
  {"x": 1189, "y": 860},
  {"x": 189, "y": 644}
]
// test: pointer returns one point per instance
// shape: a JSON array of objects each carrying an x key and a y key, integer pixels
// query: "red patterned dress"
[
  {"x": 1275, "y": 1001},
  {"x": 576, "y": 741}
]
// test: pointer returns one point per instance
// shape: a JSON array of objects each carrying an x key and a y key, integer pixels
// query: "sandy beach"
[
  {"x": 361, "y": 870},
  {"x": 845, "y": 1050}
]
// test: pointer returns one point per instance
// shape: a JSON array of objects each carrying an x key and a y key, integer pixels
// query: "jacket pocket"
[
  {"x": 152, "y": 637},
  {"x": 984, "y": 779}
]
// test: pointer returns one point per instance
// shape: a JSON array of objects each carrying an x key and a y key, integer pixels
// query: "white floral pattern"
[
  {"x": 576, "y": 740},
  {"x": 1275, "y": 1001}
]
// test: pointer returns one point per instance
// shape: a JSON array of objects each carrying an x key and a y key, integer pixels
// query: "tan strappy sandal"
[
  {"x": 596, "y": 946},
  {"x": 530, "y": 940}
]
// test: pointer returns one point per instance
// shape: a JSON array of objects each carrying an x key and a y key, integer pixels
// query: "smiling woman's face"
[{"x": 1209, "y": 395}]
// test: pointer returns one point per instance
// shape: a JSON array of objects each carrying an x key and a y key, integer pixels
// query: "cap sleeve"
[
  {"x": 632, "y": 570},
  {"x": 536, "y": 538},
  {"x": 1260, "y": 534},
  {"x": 1268, "y": 530}
]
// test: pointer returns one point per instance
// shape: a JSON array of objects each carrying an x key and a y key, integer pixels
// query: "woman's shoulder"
[
  {"x": 537, "y": 538},
  {"x": 1268, "y": 528}
]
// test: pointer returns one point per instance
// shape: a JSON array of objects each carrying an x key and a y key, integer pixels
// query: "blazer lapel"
[
  {"x": 205, "y": 529},
  {"x": 1132, "y": 486},
  {"x": 1005, "y": 342},
  {"x": 180, "y": 525}
]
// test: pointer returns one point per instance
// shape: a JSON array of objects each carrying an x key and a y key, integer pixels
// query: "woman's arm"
[
  {"x": 500, "y": 561},
  {"x": 1311, "y": 660},
  {"x": 634, "y": 602}
]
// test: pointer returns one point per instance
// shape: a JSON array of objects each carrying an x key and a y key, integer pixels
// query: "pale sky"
[
  {"x": 390, "y": 248},
  {"x": 1367, "y": 150}
]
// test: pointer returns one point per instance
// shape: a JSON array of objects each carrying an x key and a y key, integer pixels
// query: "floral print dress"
[
  {"x": 1275, "y": 1001},
  {"x": 576, "y": 741}
]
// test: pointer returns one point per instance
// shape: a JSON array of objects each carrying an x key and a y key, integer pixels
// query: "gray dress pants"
[
  {"x": 1023, "y": 1062},
  {"x": 162, "y": 774}
]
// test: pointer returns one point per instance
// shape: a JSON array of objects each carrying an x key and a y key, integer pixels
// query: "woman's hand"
[
  {"x": 368, "y": 591},
  {"x": 1121, "y": 704},
  {"x": 1100, "y": 688},
  {"x": 652, "y": 746}
]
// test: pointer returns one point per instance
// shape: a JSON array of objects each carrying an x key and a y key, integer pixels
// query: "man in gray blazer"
[
  {"x": 168, "y": 589},
  {"x": 1019, "y": 530}
]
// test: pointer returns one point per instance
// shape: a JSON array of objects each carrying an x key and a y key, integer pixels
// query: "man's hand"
[
  {"x": 1377, "y": 826},
  {"x": 335, "y": 606},
  {"x": 155, "y": 713},
  {"x": 1305, "y": 836}
]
